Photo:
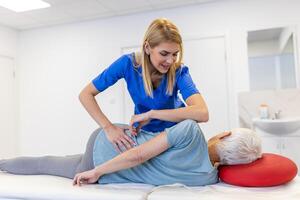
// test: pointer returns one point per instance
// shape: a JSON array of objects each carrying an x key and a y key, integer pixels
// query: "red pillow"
[{"x": 269, "y": 170}]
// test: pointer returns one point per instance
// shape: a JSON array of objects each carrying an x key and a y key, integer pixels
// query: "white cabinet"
[
  {"x": 288, "y": 146},
  {"x": 291, "y": 148},
  {"x": 271, "y": 145}
]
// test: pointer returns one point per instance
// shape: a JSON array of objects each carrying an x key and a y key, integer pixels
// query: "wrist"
[
  {"x": 107, "y": 126},
  {"x": 151, "y": 114},
  {"x": 98, "y": 172}
]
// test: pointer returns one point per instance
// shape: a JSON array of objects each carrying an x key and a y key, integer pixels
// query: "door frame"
[{"x": 15, "y": 103}]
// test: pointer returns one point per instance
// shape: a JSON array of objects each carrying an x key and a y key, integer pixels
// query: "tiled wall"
[{"x": 287, "y": 100}]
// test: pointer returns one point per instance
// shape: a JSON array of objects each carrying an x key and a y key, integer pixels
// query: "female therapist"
[{"x": 153, "y": 77}]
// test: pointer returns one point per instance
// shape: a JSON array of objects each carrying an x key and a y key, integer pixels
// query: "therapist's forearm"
[
  {"x": 90, "y": 104},
  {"x": 193, "y": 112}
]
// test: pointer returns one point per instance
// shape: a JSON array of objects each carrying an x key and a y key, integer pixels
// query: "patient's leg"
[
  {"x": 52, "y": 165},
  {"x": 65, "y": 166}
]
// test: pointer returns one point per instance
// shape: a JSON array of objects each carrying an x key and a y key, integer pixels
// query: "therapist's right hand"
[{"x": 117, "y": 136}]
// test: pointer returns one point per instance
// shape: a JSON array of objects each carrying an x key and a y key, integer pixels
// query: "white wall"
[
  {"x": 56, "y": 62},
  {"x": 8, "y": 42}
]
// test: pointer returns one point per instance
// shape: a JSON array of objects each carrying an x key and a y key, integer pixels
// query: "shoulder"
[
  {"x": 134, "y": 58},
  {"x": 137, "y": 56},
  {"x": 133, "y": 61},
  {"x": 184, "y": 132},
  {"x": 124, "y": 63},
  {"x": 191, "y": 128},
  {"x": 125, "y": 58},
  {"x": 181, "y": 70},
  {"x": 181, "y": 73}
]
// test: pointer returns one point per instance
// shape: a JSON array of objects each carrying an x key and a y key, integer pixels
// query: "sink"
[{"x": 277, "y": 126}]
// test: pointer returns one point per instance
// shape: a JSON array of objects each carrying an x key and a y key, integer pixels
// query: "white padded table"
[
  {"x": 222, "y": 191},
  {"x": 42, "y": 187}
]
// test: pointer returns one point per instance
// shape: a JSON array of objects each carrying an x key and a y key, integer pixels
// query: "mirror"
[{"x": 271, "y": 59}]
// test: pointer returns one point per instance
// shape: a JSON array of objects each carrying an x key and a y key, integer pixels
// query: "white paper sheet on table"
[
  {"x": 43, "y": 187},
  {"x": 289, "y": 191}
]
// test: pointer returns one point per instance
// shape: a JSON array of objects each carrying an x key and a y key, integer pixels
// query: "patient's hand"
[{"x": 86, "y": 177}]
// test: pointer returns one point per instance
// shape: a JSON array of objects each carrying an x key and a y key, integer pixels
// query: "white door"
[
  {"x": 206, "y": 60},
  {"x": 8, "y": 139}
]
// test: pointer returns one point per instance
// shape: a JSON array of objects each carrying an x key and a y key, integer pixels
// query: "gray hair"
[{"x": 241, "y": 147}]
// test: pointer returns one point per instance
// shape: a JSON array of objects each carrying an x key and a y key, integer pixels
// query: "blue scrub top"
[{"x": 124, "y": 68}]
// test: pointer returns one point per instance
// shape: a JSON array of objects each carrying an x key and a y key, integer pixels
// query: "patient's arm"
[{"x": 127, "y": 159}]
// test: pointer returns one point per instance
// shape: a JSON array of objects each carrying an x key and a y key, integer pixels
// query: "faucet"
[{"x": 277, "y": 114}]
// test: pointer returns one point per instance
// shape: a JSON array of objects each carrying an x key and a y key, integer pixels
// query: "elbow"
[
  {"x": 203, "y": 115},
  {"x": 86, "y": 93},
  {"x": 81, "y": 96}
]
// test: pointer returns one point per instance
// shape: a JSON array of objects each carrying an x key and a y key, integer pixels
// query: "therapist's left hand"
[{"x": 141, "y": 120}]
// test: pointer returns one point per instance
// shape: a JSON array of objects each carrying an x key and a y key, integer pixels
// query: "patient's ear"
[{"x": 225, "y": 134}]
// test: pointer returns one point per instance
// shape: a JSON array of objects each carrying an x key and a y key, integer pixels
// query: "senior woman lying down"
[{"x": 179, "y": 154}]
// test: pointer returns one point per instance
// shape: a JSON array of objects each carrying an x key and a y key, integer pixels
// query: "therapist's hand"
[
  {"x": 141, "y": 120},
  {"x": 117, "y": 136}
]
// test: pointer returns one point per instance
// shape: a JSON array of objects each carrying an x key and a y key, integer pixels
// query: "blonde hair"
[
  {"x": 241, "y": 147},
  {"x": 160, "y": 30}
]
